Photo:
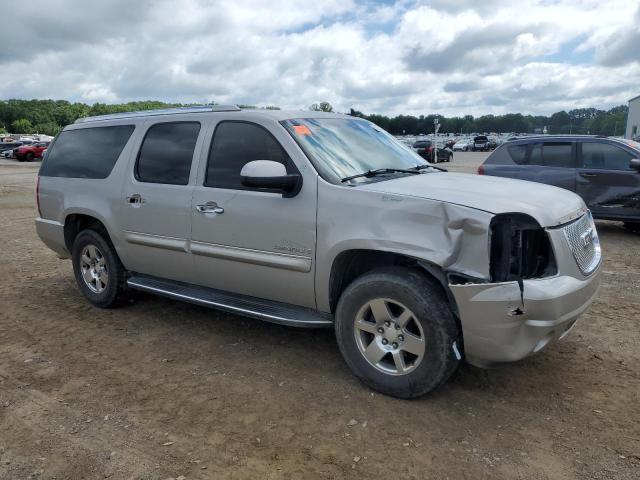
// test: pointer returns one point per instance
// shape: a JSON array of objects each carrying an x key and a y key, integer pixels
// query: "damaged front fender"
[{"x": 452, "y": 237}]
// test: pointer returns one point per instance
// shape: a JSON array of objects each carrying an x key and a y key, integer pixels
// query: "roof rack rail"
[{"x": 160, "y": 111}]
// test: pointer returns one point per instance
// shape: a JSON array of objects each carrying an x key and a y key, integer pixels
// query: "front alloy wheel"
[
  {"x": 389, "y": 336},
  {"x": 396, "y": 331}
]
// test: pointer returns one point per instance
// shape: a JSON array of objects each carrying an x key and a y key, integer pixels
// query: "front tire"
[
  {"x": 397, "y": 333},
  {"x": 99, "y": 273},
  {"x": 29, "y": 157}
]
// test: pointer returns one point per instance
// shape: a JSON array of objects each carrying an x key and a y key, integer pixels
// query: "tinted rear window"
[
  {"x": 87, "y": 152},
  {"x": 508, "y": 155},
  {"x": 552, "y": 155},
  {"x": 167, "y": 152}
]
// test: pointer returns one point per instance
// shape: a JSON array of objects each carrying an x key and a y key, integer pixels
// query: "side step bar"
[{"x": 268, "y": 310}]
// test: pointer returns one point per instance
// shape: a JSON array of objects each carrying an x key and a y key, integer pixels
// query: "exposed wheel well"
[
  {"x": 351, "y": 264},
  {"x": 75, "y": 223}
]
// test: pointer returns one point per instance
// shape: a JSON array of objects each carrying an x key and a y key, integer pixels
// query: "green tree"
[
  {"x": 321, "y": 107},
  {"x": 22, "y": 125},
  {"x": 48, "y": 128}
]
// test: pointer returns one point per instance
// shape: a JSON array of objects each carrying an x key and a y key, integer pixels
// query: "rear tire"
[
  {"x": 99, "y": 273},
  {"x": 633, "y": 227},
  {"x": 407, "y": 347},
  {"x": 29, "y": 157}
]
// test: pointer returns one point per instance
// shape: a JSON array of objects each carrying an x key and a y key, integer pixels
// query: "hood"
[{"x": 549, "y": 205}]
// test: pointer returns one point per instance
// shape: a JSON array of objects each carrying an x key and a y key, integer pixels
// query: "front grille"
[{"x": 582, "y": 238}]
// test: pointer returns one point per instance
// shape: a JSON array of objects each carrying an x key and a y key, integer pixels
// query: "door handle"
[
  {"x": 135, "y": 200},
  {"x": 584, "y": 174},
  {"x": 209, "y": 207}
]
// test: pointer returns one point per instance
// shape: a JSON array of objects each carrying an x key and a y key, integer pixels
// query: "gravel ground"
[{"x": 160, "y": 389}]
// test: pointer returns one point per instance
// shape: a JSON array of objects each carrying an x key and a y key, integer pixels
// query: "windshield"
[{"x": 342, "y": 147}]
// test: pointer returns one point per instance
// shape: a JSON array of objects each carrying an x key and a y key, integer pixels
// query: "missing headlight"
[{"x": 520, "y": 249}]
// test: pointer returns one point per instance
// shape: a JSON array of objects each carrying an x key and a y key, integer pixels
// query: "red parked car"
[{"x": 30, "y": 152}]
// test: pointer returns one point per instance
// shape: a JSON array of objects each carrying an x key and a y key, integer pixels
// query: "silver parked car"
[{"x": 314, "y": 219}]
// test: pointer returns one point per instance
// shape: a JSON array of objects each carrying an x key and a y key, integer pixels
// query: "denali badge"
[{"x": 586, "y": 238}]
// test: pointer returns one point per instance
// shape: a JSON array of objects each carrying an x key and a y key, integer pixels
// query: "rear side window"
[
  {"x": 166, "y": 153},
  {"x": 508, "y": 155},
  {"x": 234, "y": 145},
  {"x": 86, "y": 153},
  {"x": 605, "y": 156},
  {"x": 552, "y": 155}
]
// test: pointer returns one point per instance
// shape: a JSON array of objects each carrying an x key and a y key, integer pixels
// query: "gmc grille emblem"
[{"x": 586, "y": 238}]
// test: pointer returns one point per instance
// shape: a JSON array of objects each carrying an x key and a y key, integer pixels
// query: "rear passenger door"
[
  {"x": 247, "y": 240},
  {"x": 552, "y": 163},
  {"x": 156, "y": 201},
  {"x": 605, "y": 181}
]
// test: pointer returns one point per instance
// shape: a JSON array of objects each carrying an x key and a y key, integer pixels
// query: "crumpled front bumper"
[{"x": 500, "y": 326}]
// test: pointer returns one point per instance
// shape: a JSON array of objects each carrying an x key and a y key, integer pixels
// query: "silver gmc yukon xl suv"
[{"x": 312, "y": 219}]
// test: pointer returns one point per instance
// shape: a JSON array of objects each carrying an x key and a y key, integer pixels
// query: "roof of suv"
[
  {"x": 569, "y": 138},
  {"x": 276, "y": 115}
]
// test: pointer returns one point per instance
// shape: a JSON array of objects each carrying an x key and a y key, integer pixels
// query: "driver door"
[{"x": 606, "y": 182}]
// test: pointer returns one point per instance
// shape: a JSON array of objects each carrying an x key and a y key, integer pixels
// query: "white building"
[{"x": 633, "y": 118}]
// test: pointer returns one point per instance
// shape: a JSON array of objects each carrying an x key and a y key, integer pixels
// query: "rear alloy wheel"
[
  {"x": 396, "y": 332},
  {"x": 98, "y": 271},
  {"x": 94, "y": 268}
]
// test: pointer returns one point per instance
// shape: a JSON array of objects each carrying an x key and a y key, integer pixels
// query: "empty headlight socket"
[{"x": 519, "y": 250}]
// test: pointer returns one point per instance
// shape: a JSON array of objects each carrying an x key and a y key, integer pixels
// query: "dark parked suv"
[
  {"x": 605, "y": 172},
  {"x": 480, "y": 143}
]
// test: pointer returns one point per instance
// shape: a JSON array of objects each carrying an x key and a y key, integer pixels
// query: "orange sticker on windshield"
[{"x": 302, "y": 130}]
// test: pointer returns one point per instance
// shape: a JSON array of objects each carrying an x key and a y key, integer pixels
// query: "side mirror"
[
  {"x": 635, "y": 164},
  {"x": 270, "y": 175}
]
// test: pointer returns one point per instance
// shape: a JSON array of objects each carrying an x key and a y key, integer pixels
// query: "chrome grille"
[{"x": 583, "y": 240}]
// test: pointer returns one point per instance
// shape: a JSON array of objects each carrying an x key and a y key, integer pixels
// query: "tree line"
[
  {"x": 580, "y": 121},
  {"x": 50, "y": 116}
]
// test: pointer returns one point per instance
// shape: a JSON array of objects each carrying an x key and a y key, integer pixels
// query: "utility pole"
[{"x": 436, "y": 127}]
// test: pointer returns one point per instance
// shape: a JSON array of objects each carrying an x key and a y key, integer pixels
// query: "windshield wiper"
[
  {"x": 379, "y": 171},
  {"x": 428, "y": 165}
]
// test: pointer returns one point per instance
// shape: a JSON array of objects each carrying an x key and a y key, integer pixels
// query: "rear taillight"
[
  {"x": 38, "y": 196},
  {"x": 481, "y": 170}
]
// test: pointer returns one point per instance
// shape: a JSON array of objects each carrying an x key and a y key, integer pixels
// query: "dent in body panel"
[
  {"x": 630, "y": 201},
  {"x": 453, "y": 237}
]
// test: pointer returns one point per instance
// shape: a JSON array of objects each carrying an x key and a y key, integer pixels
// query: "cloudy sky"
[{"x": 443, "y": 56}]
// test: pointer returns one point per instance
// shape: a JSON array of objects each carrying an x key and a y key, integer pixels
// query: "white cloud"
[{"x": 450, "y": 57}]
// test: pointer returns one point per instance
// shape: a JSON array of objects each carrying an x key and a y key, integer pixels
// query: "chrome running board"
[{"x": 268, "y": 310}]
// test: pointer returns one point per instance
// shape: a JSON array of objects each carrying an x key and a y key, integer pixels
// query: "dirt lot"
[{"x": 162, "y": 389}]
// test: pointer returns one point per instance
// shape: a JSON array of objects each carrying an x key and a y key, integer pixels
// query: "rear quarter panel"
[{"x": 98, "y": 198}]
